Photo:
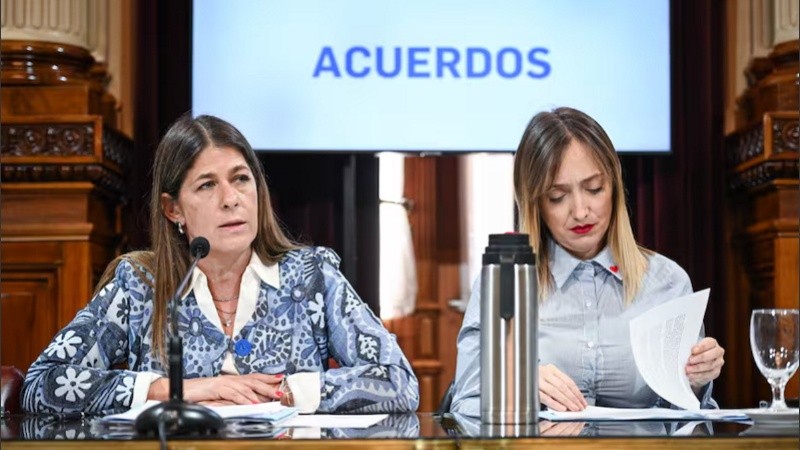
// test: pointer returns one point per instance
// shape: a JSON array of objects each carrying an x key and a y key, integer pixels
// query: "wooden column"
[
  {"x": 62, "y": 190},
  {"x": 762, "y": 264}
]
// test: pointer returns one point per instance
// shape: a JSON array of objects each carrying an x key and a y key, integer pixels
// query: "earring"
[{"x": 180, "y": 227}]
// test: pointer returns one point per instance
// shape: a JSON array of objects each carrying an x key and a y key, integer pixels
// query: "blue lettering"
[
  {"x": 397, "y": 63},
  {"x": 349, "y": 62},
  {"x": 517, "y": 58},
  {"x": 326, "y": 62},
  {"x": 487, "y": 62},
  {"x": 537, "y": 62},
  {"x": 443, "y": 61},
  {"x": 414, "y": 61},
  {"x": 473, "y": 62}
]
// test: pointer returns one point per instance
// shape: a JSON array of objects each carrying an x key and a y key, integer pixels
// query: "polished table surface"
[{"x": 422, "y": 430}]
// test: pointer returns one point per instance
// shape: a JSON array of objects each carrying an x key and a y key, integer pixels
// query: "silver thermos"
[{"x": 509, "y": 322}]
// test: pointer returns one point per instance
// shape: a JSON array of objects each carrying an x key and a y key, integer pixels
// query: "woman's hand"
[
  {"x": 558, "y": 391},
  {"x": 705, "y": 363},
  {"x": 224, "y": 389}
]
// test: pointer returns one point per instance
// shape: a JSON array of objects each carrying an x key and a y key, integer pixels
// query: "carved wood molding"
[
  {"x": 765, "y": 152},
  {"x": 763, "y": 174},
  {"x": 47, "y": 139},
  {"x": 63, "y": 148}
]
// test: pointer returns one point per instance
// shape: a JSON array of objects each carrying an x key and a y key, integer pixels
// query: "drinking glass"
[{"x": 774, "y": 335}]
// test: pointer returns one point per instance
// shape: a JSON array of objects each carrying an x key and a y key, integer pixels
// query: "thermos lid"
[{"x": 508, "y": 248}]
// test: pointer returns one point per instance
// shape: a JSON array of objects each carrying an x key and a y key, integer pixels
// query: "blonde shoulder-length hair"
[
  {"x": 536, "y": 164},
  {"x": 169, "y": 258}
]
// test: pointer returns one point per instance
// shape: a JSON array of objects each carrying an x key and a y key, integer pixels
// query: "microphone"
[{"x": 177, "y": 417}]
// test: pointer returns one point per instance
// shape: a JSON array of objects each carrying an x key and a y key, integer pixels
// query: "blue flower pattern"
[{"x": 314, "y": 316}]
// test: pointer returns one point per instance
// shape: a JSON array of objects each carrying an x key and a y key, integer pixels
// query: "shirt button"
[
  {"x": 590, "y": 344},
  {"x": 588, "y": 304}
]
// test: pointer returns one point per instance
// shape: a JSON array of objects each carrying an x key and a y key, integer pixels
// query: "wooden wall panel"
[
  {"x": 44, "y": 285},
  {"x": 29, "y": 305}
]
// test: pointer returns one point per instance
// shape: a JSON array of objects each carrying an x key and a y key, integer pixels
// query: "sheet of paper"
[
  {"x": 596, "y": 413},
  {"x": 271, "y": 411},
  {"x": 662, "y": 340},
  {"x": 334, "y": 420}
]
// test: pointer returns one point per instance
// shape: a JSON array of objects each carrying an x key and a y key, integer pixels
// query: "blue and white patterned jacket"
[{"x": 314, "y": 315}]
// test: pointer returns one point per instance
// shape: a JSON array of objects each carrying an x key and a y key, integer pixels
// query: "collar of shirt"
[
  {"x": 254, "y": 273},
  {"x": 562, "y": 263}
]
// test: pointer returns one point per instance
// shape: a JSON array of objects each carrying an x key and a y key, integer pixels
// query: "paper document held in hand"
[{"x": 662, "y": 340}]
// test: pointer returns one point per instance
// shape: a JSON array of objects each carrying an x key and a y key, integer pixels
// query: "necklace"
[
  {"x": 217, "y": 300},
  {"x": 226, "y": 321}
]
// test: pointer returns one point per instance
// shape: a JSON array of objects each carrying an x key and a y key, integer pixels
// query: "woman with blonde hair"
[
  {"x": 260, "y": 318},
  {"x": 593, "y": 277}
]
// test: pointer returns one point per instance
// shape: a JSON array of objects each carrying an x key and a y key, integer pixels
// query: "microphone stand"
[{"x": 176, "y": 417}]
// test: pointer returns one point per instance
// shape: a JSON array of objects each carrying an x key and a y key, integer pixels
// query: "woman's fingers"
[
  {"x": 574, "y": 392},
  {"x": 236, "y": 389},
  {"x": 239, "y": 393},
  {"x": 558, "y": 395},
  {"x": 550, "y": 402},
  {"x": 262, "y": 386},
  {"x": 558, "y": 391},
  {"x": 705, "y": 362},
  {"x": 265, "y": 378}
]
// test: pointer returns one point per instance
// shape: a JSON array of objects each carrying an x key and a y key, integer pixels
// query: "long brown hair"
[
  {"x": 169, "y": 259},
  {"x": 536, "y": 164}
]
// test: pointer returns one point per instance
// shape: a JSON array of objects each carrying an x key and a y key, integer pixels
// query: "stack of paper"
[
  {"x": 271, "y": 412},
  {"x": 592, "y": 413}
]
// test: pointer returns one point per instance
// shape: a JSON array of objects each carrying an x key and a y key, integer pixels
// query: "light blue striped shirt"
[{"x": 583, "y": 330}]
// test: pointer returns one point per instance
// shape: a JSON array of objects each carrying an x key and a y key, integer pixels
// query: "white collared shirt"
[
  {"x": 305, "y": 387},
  {"x": 583, "y": 329}
]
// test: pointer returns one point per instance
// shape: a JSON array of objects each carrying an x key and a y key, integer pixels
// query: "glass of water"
[{"x": 774, "y": 335}]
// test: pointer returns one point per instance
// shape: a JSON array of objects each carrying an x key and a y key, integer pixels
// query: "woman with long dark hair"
[{"x": 260, "y": 318}]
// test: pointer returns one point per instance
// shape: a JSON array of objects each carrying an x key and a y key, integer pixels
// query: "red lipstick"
[{"x": 582, "y": 229}]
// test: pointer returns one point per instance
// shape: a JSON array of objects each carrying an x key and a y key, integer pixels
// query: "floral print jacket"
[{"x": 314, "y": 315}]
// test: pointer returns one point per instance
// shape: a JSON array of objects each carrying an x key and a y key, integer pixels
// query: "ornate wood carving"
[
  {"x": 68, "y": 139},
  {"x": 765, "y": 152},
  {"x": 62, "y": 166},
  {"x": 63, "y": 148},
  {"x": 762, "y": 158}
]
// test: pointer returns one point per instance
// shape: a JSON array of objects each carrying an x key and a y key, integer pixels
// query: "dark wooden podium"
[{"x": 62, "y": 190}]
